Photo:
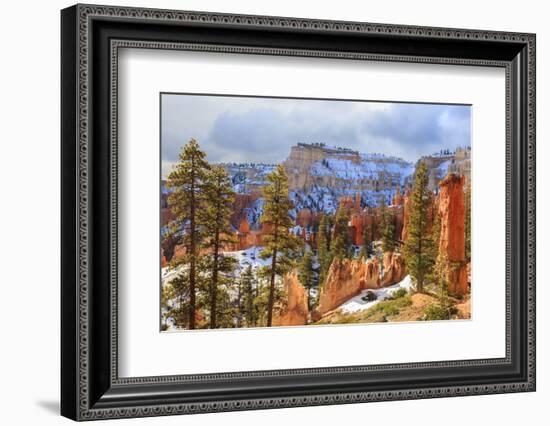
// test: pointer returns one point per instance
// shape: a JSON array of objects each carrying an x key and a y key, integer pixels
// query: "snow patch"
[
  {"x": 356, "y": 303},
  {"x": 248, "y": 257}
]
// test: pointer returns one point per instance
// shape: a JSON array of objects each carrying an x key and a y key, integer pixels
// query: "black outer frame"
[{"x": 89, "y": 382}]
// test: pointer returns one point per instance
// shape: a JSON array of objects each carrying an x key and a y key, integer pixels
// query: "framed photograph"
[{"x": 263, "y": 212}]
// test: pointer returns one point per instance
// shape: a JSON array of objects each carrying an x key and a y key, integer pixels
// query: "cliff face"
[
  {"x": 457, "y": 162},
  {"x": 295, "y": 309},
  {"x": 343, "y": 171},
  {"x": 357, "y": 225},
  {"x": 394, "y": 269},
  {"x": 451, "y": 210},
  {"x": 319, "y": 176},
  {"x": 248, "y": 177},
  {"x": 452, "y": 240},
  {"x": 372, "y": 274},
  {"x": 346, "y": 278}
]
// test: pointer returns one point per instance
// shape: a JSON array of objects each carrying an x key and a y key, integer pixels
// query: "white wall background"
[{"x": 29, "y": 211}]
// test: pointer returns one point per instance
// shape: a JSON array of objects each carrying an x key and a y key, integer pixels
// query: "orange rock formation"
[
  {"x": 357, "y": 225},
  {"x": 372, "y": 274},
  {"x": 244, "y": 227},
  {"x": 397, "y": 198},
  {"x": 346, "y": 278},
  {"x": 452, "y": 240},
  {"x": 295, "y": 309},
  {"x": 394, "y": 269},
  {"x": 304, "y": 218},
  {"x": 406, "y": 209},
  {"x": 163, "y": 261}
]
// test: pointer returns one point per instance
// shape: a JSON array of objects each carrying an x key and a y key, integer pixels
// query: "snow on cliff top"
[{"x": 367, "y": 169}]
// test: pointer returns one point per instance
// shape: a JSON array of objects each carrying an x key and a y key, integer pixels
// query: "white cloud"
[{"x": 248, "y": 129}]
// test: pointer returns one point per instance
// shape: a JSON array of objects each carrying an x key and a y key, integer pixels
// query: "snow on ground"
[
  {"x": 250, "y": 256},
  {"x": 168, "y": 274},
  {"x": 356, "y": 304}
]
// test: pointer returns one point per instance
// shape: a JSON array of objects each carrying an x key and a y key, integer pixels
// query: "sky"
[{"x": 262, "y": 130}]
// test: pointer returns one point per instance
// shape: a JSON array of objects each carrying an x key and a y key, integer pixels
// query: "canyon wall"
[
  {"x": 295, "y": 308},
  {"x": 346, "y": 278},
  {"x": 394, "y": 269}
]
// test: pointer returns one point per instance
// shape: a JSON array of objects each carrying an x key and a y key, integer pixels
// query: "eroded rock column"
[
  {"x": 295, "y": 310},
  {"x": 452, "y": 240}
]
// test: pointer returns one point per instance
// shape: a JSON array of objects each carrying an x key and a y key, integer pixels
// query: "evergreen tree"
[
  {"x": 467, "y": 222},
  {"x": 435, "y": 274},
  {"x": 324, "y": 252},
  {"x": 388, "y": 230},
  {"x": 279, "y": 243},
  {"x": 367, "y": 251},
  {"x": 306, "y": 274},
  {"x": 175, "y": 297},
  {"x": 418, "y": 249},
  {"x": 248, "y": 288},
  {"x": 341, "y": 240},
  {"x": 217, "y": 209},
  {"x": 239, "y": 312},
  {"x": 187, "y": 182}
]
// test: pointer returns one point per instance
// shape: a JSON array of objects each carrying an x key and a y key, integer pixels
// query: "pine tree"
[
  {"x": 418, "y": 251},
  {"x": 366, "y": 251},
  {"x": 306, "y": 274},
  {"x": 187, "y": 182},
  {"x": 388, "y": 231},
  {"x": 279, "y": 243},
  {"x": 217, "y": 209},
  {"x": 341, "y": 240},
  {"x": 239, "y": 313},
  {"x": 324, "y": 252},
  {"x": 175, "y": 297},
  {"x": 434, "y": 275},
  {"x": 248, "y": 287}
]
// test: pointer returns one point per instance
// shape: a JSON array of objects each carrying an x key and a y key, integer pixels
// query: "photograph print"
[{"x": 278, "y": 212}]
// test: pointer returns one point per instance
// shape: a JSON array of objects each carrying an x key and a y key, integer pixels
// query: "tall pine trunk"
[
  {"x": 192, "y": 253},
  {"x": 420, "y": 279},
  {"x": 271, "y": 299},
  {"x": 214, "y": 288}
]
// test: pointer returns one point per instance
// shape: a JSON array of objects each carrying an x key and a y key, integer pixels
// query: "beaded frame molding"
[{"x": 91, "y": 38}]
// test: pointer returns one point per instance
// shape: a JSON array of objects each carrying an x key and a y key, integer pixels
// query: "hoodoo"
[
  {"x": 452, "y": 240},
  {"x": 295, "y": 309}
]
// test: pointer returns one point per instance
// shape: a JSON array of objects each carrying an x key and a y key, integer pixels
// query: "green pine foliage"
[
  {"x": 306, "y": 274},
  {"x": 187, "y": 182},
  {"x": 443, "y": 308},
  {"x": 324, "y": 252},
  {"x": 218, "y": 193},
  {"x": 341, "y": 246},
  {"x": 248, "y": 288},
  {"x": 261, "y": 301},
  {"x": 280, "y": 245},
  {"x": 418, "y": 247},
  {"x": 387, "y": 226},
  {"x": 366, "y": 250},
  {"x": 176, "y": 295}
]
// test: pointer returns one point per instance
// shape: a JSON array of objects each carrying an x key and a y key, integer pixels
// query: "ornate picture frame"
[{"x": 91, "y": 37}]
